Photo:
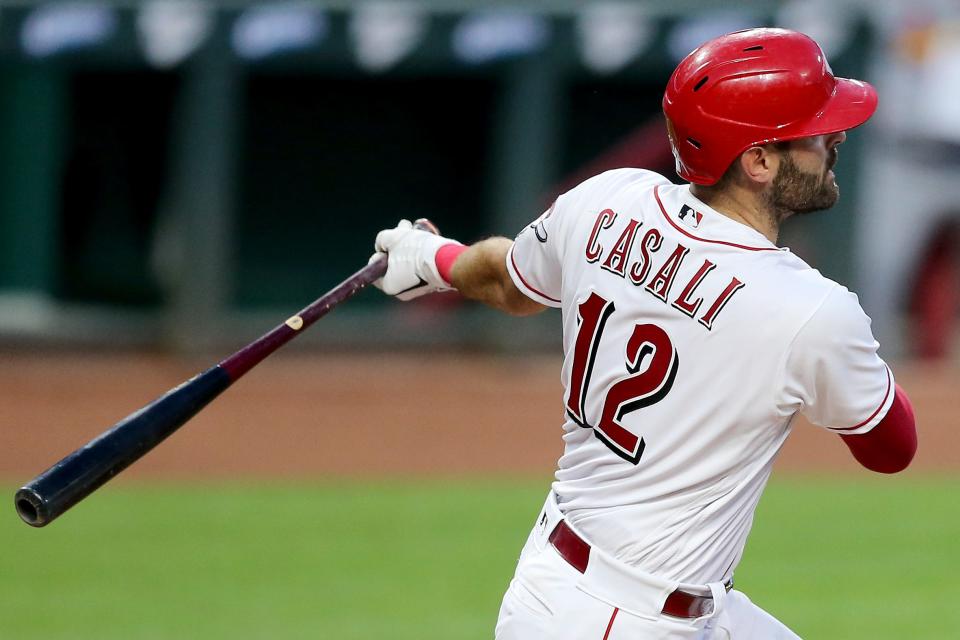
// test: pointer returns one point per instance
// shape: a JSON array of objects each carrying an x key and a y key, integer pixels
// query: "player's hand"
[{"x": 411, "y": 261}]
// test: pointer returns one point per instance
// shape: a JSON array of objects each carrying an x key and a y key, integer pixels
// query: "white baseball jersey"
[{"x": 690, "y": 344}]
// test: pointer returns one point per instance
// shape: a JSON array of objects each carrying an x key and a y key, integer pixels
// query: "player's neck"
[{"x": 743, "y": 206}]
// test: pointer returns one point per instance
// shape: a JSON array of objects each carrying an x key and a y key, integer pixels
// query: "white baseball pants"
[{"x": 548, "y": 599}]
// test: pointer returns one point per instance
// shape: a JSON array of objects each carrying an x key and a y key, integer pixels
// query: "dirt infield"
[{"x": 321, "y": 415}]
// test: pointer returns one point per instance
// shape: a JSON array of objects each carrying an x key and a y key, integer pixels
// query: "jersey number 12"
[{"x": 636, "y": 390}]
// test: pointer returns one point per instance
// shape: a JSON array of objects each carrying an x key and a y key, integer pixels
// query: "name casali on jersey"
[{"x": 617, "y": 260}]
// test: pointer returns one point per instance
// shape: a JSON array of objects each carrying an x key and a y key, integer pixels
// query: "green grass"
[
  {"x": 429, "y": 560},
  {"x": 858, "y": 559}
]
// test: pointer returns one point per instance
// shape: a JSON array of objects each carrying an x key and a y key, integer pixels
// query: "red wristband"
[{"x": 446, "y": 256}]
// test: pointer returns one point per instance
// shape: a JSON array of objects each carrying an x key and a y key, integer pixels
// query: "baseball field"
[{"x": 388, "y": 496}]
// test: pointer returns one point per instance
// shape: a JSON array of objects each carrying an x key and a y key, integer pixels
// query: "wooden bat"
[{"x": 82, "y": 472}]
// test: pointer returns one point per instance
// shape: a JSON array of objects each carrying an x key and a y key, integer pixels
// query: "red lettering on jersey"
[
  {"x": 661, "y": 283},
  {"x": 592, "y": 316},
  {"x": 711, "y": 315},
  {"x": 616, "y": 262},
  {"x": 651, "y": 242},
  {"x": 683, "y": 302},
  {"x": 638, "y": 390},
  {"x": 604, "y": 220}
]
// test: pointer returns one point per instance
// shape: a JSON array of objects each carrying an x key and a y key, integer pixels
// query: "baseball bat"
[{"x": 83, "y": 471}]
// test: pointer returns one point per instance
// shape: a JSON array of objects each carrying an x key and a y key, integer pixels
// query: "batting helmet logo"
[{"x": 755, "y": 87}]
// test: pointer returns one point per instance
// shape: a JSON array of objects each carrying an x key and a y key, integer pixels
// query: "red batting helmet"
[{"x": 751, "y": 88}]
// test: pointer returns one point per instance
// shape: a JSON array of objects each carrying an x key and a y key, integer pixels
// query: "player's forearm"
[
  {"x": 890, "y": 446},
  {"x": 480, "y": 274}
]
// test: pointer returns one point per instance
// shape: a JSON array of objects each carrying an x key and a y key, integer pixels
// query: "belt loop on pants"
[{"x": 576, "y": 551}]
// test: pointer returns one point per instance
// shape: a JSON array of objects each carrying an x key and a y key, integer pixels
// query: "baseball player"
[{"x": 691, "y": 343}]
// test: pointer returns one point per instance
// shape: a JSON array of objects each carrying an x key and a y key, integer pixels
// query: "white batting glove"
[{"x": 411, "y": 261}]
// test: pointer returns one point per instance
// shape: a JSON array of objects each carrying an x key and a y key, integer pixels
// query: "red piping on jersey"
[
  {"x": 872, "y": 415},
  {"x": 610, "y": 625},
  {"x": 527, "y": 284},
  {"x": 656, "y": 194}
]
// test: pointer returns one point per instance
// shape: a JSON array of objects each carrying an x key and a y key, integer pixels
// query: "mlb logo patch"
[{"x": 690, "y": 216}]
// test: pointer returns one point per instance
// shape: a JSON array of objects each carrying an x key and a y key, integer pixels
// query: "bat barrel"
[{"x": 82, "y": 472}]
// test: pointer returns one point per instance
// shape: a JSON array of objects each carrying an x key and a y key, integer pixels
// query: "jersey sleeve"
[
  {"x": 833, "y": 372},
  {"x": 534, "y": 261}
]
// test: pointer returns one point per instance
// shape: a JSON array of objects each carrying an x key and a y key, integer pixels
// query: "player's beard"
[{"x": 795, "y": 191}]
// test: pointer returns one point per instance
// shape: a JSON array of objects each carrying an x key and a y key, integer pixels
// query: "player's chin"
[
  {"x": 830, "y": 198},
  {"x": 826, "y": 197}
]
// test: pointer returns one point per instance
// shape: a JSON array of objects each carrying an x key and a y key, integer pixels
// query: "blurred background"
[{"x": 178, "y": 176}]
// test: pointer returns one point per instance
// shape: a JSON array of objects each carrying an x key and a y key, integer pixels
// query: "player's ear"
[{"x": 760, "y": 164}]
